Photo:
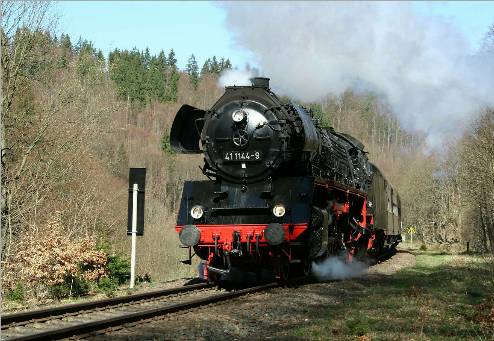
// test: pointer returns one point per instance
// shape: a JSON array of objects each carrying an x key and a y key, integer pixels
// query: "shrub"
[
  {"x": 16, "y": 294},
  {"x": 166, "y": 145},
  {"x": 107, "y": 286},
  {"x": 118, "y": 268},
  {"x": 423, "y": 247},
  {"x": 117, "y": 273},
  {"x": 71, "y": 287},
  {"x": 52, "y": 258}
]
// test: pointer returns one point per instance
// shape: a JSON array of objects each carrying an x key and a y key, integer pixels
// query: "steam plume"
[
  {"x": 336, "y": 268},
  {"x": 419, "y": 63},
  {"x": 231, "y": 77}
]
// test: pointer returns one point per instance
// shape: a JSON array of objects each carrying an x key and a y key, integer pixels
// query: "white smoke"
[
  {"x": 336, "y": 268},
  {"x": 232, "y": 77},
  {"x": 419, "y": 63}
]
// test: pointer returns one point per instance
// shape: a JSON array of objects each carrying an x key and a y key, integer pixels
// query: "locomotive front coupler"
[
  {"x": 226, "y": 256},
  {"x": 218, "y": 271}
]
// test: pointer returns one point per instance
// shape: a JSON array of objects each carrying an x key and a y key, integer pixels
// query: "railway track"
[
  {"x": 76, "y": 319},
  {"x": 82, "y": 318}
]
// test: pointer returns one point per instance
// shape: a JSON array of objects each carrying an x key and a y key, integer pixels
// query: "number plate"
[{"x": 243, "y": 156}]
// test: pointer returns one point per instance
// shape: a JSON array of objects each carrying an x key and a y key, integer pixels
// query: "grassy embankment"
[{"x": 442, "y": 297}]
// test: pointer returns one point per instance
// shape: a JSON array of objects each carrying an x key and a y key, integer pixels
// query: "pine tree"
[
  {"x": 172, "y": 77},
  {"x": 171, "y": 61},
  {"x": 224, "y": 64},
  {"x": 227, "y": 65},
  {"x": 147, "y": 58},
  {"x": 127, "y": 70},
  {"x": 215, "y": 66},
  {"x": 77, "y": 47},
  {"x": 206, "y": 68},
  {"x": 137, "y": 76},
  {"x": 156, "y": 78},
  {"x": 193, "y": 71},
  {"x": 65, "y": 42},
  {"x": 100, "y": 56},
  {"x": 66, "y": 46},
  {"x": 87, "y": 57},
  {"x": 162, "y": 67}
]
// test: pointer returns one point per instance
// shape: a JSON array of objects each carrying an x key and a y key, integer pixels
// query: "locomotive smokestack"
[{"x": 260, "y": 82}]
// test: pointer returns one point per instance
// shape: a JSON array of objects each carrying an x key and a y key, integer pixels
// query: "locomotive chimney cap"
[{"x": 260, "y": 82}]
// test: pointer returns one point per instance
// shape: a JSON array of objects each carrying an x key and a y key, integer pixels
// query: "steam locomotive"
[{"x": 282, "y": 191}]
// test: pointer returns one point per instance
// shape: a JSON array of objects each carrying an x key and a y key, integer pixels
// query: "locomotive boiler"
[{"x": 282, "y": 191}]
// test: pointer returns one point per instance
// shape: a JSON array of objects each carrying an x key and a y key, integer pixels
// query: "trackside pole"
[
  {"x": 135, "y": 214},
  {"x": 135, "y": 190}
]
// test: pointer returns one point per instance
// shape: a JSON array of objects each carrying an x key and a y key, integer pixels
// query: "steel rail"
[
  {"x": 87, "y": 327},
  {"x": 9, "y": 319}
]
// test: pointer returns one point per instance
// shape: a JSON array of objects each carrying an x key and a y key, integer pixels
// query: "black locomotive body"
[{"x": 282, "y": 190}]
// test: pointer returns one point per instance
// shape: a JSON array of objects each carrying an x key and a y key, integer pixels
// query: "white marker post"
[
  {"x": 135, "y": 190},
  {"x": 411, "y": 230},
  {"x": 135, "y": 214}
]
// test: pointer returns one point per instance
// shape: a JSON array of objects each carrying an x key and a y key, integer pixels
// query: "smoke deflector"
[{"x": 186, "y": 130}]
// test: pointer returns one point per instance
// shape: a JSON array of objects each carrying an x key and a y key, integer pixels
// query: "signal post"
[{"x": 135, "y": 215}]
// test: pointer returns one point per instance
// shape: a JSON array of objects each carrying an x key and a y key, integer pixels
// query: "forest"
[{"x": 74, "y": 121}]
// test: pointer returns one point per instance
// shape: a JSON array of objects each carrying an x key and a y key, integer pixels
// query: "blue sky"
[
  {"x": 187, "y": 27},
  {"x": 199, "y": 27}
]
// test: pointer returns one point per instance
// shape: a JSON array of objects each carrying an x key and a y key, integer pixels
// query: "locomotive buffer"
[{"x": 135, "y": 215}]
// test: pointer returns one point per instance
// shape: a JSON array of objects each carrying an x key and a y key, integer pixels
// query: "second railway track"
[{"x": 76, "y": 319}]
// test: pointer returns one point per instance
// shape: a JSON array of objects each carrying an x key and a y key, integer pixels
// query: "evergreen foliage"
[
  {"x": 206, "y": 67},
  {"x": 90, "y": 61},
  {"x": 317, "y": 113},
  {"x": 193, "y": 71},
  {"x": 118, "y": 268},
  {"x": 142, "y": 78},
  {"x": 171, "y": 78},
  {"x": 213, "y": 66}
]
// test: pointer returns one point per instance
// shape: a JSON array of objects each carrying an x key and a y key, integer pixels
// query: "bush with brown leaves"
[{"x": 51, "y": 255}]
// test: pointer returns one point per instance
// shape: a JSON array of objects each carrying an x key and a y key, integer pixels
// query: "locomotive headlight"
[
  {"x": 238, "y": 116},
  {"x": 279, "y": 210},
  {"x": 197, "y": 212}
]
